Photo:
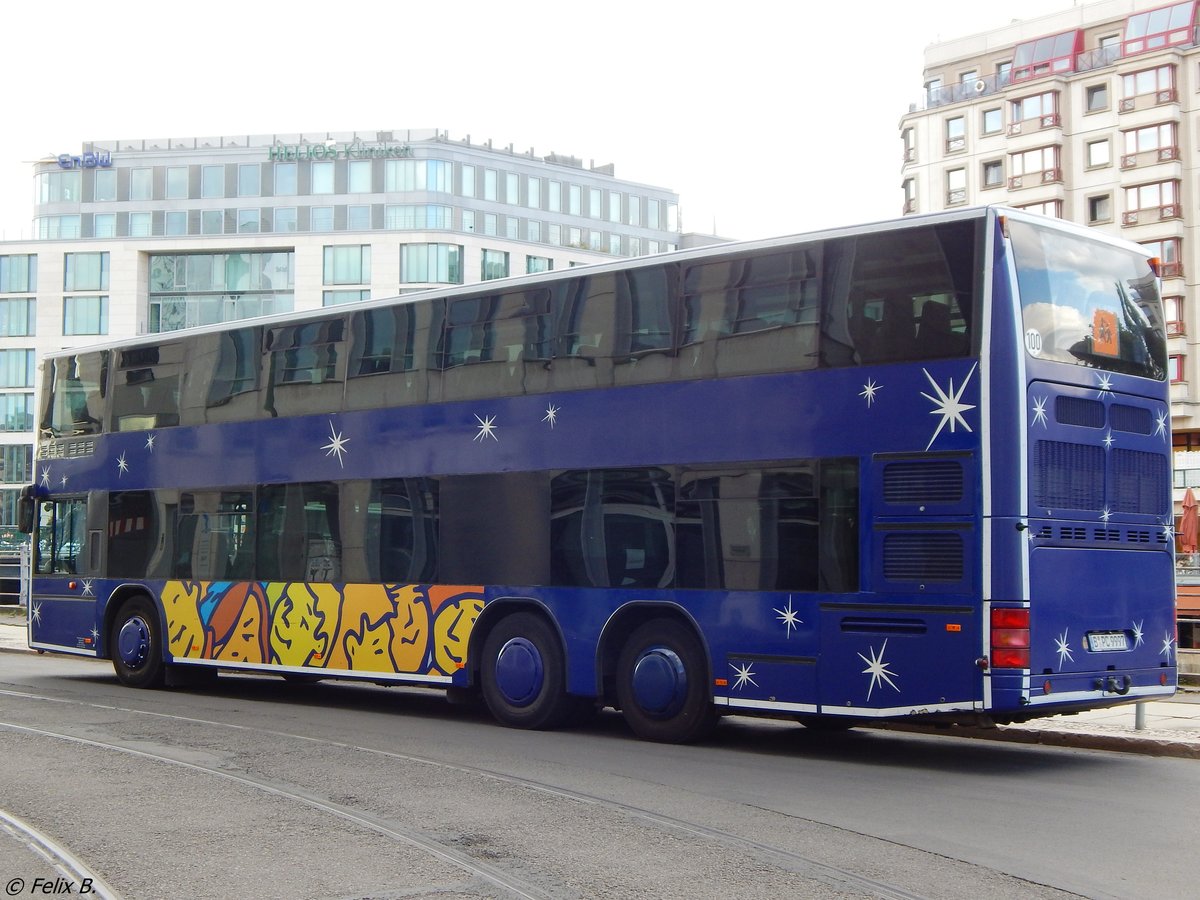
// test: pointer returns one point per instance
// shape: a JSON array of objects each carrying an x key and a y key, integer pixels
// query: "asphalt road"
[{"x": 259, "y": 788}]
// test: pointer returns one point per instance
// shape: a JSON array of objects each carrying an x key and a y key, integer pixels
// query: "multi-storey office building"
[
  {"x": 136, "y": 236},
  {"x": 1092, "y": 115}
]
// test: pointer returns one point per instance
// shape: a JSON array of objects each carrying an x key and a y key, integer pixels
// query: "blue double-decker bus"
[{"x": 911, "y": 469}]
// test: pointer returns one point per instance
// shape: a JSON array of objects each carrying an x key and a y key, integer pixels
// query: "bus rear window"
[{"x": 1088, "y": 302}]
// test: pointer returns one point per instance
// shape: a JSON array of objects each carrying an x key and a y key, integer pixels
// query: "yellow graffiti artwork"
[
  {"x": 185, "y": 632},
  {"x": 452, "y": 630},
  {"x": 368, "y": 647},
  {"x": 410, "y": 628},
  {"x": 303, "y": 617}
]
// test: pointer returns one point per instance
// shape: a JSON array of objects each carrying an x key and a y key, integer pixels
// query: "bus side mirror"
[{"x": 25, "y": 508}]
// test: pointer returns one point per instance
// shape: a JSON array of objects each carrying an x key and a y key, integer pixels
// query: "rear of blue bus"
[{"x": 1079, "y": 593}]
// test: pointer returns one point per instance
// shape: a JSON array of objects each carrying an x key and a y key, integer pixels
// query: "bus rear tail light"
[{"x": 1010, "y": 639}]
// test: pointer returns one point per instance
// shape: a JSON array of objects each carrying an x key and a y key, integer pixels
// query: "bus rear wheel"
[
  {"x": 524, "y": 674},
  {"x": 135, "y": 643},
  {"x": 662, "y": 683}
]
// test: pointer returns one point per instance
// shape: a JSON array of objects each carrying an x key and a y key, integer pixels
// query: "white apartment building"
[
  {"x": 152, "y": 235},
  {"x": 1092, "y": 115}
]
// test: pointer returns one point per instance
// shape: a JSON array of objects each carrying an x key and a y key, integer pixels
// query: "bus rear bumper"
[{"x": 1024, "y": 695}]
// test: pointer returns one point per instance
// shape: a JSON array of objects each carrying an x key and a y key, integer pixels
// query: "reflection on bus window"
[{"x": 76, "y": 399}]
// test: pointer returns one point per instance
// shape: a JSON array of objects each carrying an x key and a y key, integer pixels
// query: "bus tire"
[
  {"x": 523, "y": 674},
  {"x": 662, "y": 683},
  {"x": 135, "y": 644}
]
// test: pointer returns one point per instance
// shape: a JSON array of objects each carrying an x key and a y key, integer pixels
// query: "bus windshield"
[{"x": 1087, "y": 302}]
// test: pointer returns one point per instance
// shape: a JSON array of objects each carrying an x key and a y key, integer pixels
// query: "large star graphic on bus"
[
  {"x": 744, "y": 674},
  {"x": 337, "y": 445},
  {"x": 487, "y": 428},
  {"x": 789, "y": 617},
  {"x": 1039, "y": 411},
  {"x": 1160, "y": 424},
  {"x": 870, "y": 389},
  {"x": 877, "y": 668},
  {"x": 46, "y": 477},
  {"x": 122, "y": 465},
  {"x": 1167, "y": 644},
  {"x": 1063, "y": 648},
  {"x": 1103, "y": 384},
  {"x": 551, "y": 414},
  {"x": 948, "y": 404},
  {"x": 1139, "y": 636}
]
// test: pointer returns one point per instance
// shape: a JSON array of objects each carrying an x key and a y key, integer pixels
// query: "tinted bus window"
[
  {"x": 76, "y": 396},
  {"x": 146, "y": 387}
]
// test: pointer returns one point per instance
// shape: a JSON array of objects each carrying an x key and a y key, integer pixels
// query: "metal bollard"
[{"x": 1139, "y": 717}]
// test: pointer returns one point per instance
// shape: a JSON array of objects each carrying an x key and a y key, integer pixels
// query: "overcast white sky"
[{"x": 726, "y": 103}]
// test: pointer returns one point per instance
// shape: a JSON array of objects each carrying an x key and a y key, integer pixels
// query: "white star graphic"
[
  {"x": 150, "y": 442},
  {"x": 37, "y": 614},
  {"x": 870, "y": 389},
  {"x": 1105, "y": 383},
  {"x": 337, "y": 445},
  {"x": 1063, "y": 649},
  {"x": 551, "y": 414},
  {"x": 46, "y": 476},
  {"x": 1167, "y": 644},
  {"x": 744, "y": 675},
  {"x": 1139, "y": 636},
  {"x": 948, "y": 404},
  {"x": 63, "y": 480},
  {"x": 1160, "y": 424},
  {"x": 95, "y": 634},
  {"x": 1168, "y": 528},
  {"x": 1039, "y": 411},
  {"x": 878, "y": 669},
  {"x": 1105, "y": 515},
  {"x": 789, "y": 617},
  {"x": 487, "y": 428},
  {"x": 122, "y": 466},
  {"x": 1108, "y": 441},
  {"x": 87, "y": 588}
]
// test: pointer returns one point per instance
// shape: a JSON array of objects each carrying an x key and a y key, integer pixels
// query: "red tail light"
[{"x": 1010, "y": 639}]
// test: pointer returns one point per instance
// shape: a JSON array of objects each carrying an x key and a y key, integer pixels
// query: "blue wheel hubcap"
[
  {"x": 660, "y": 682},
  {"x": 133, "y": 642},
  {"x": 519, "y": 671}
]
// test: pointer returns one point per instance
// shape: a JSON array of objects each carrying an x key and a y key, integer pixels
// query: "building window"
[
  {"x": 533, "y": 231},
  {"x": 1159, "y": 142},
  {"x": 176, "y": 222},
  {"x": 1159, "y": 199},
  {"x": 1052, "y": 208},
  {"x": 614, "y": 244},
  {"x": 85, "y": 315},
  {"x": 512, "y": 188},
  {"x": 104, "y": 225},
  {"x": 1097, "y": 97},
  {"x": 1165, "y": 27},
  {"x": 321, "y": 218},
  {"x": 595, "y": 210},
  {"x": 59, "y": 187},
  {"x": 933, "y": 91},
  {"x": 16, "y": 414},
  {"x": 1050, "y": 55},
  {"x": 575, "y": 200},
  {"x": 348, "y": 264},
  {"x": 1098, "y": 154},
  {"x": 85, "y": 272},
  {"x": 18, "y": 273},
  {"x": 250, "y": 179},
  {"x": 1173, "y": 309},
  {"x": 956, "y": 187},
  {"x": 140, "y": 224},
  {"x": 337, "y": 298},
  {"x": 1175, "y": 367},
  {"x": 491, "y": 184},
  {"x": 468, "y": 220},
  {"x": 1004, "y": 73},
  {"x": 1032, "y": 167},
  {"x": 535, "y": 264},
  {"x": 512, "y": 228},
  {"x": 358, "y": 174},
  {"x": 212, "y": 181},
  {"x": 358, "y": 218},
  {"x": 956, "y": 134},
  {"x": 18, "y": 460},
  {"x": 212, "y": 221},
  {"x": 17, "y": 316},
  {"x": 1170, "y": 256},
  {"x": 635, "y": 210},
  {"x": 1158, "y": 83},
  {"x": 468, "y": 181},
  {"x": 494, "y": 265},
  {"x": 491, "y": 224},
  {"x": 431, "y": 264},
  {"x": 247, "y": 221},
  {"x": 17, "y": 368},
  {"x": 177, "y": 182},
  {"x": 614, "y": 206},
  {"x": 1099, "y": 209},
  {"x": 322, "y": 177},
  {"x": 993, "y": 173},
  {"x": 909, "y": 186},
  {"x": 285, "y": 219},
  {"x": 105, "y": 185},
  {"x": 286, "y": 180},
  {"x": 993, "y": 120},
  {"x": 141, "y": 184},
  {"x": 1036, "y": 111}
]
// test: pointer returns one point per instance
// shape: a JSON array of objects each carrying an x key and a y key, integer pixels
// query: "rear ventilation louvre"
[
  {"x": 923, "y": 557},
  {"x": 928, "y": 481}
]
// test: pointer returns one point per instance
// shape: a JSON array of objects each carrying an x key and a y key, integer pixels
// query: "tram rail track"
[{"x": 834, "y": 878}]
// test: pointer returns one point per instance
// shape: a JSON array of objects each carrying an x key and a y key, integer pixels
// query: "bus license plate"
[{"x": 1108, "y": 640}]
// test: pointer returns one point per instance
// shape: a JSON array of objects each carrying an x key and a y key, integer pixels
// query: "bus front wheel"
[
  {"x": 662, "y": 683},
  {"x": 135, "y": 643},
  {"x": 524, "y": 673}
]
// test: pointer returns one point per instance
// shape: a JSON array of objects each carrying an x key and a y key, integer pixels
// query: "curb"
[{"x": 1048, "y": 737}]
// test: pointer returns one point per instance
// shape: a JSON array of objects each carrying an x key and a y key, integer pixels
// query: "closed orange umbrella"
[{"x": 1189, "y": 523}]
